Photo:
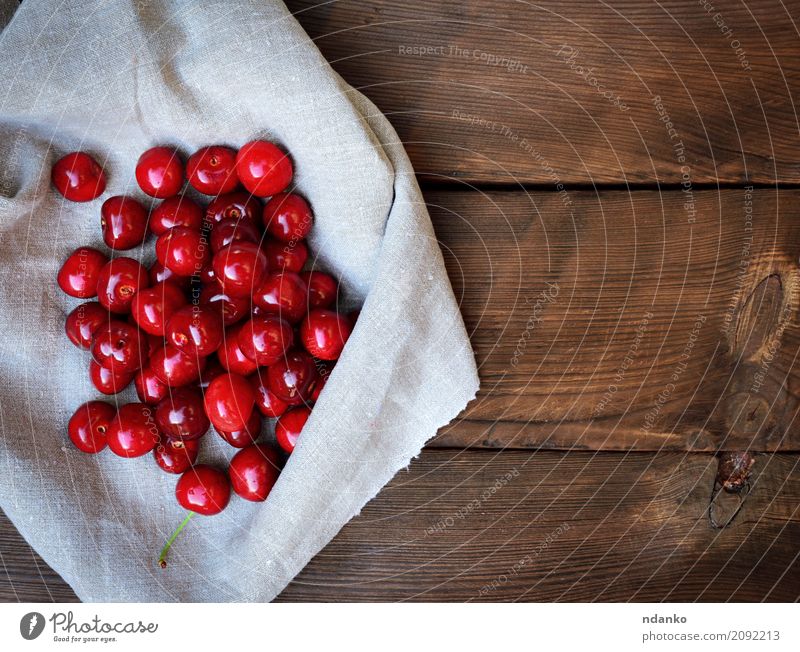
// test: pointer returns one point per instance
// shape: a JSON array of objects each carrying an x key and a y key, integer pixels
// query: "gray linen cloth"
[{"x": 115, "y": 77}]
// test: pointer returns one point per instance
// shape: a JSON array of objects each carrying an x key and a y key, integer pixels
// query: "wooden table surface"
[{"x": 615, "y": 189}]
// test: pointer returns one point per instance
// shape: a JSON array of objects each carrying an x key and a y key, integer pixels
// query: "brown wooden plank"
[
  {"x": 625, "y": 320},
  {"x": 539, "y": 114}
]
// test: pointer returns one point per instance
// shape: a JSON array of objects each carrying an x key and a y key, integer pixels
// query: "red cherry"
[
  {"x": 289, "y": 427},
  {"x": 231, "y": 355},
  {"x": 78, "y": 177},
  {"x": 181, "y": 414},
  {"x": 176, "y": 456},
  {"x": 149, "y": 388},
  {"x": 203, "y": 490},
  {"x": 176, "y": 211},
  {"x": 229, "y": 402},
  {"x": 264, "y": 340},
  {"x": 324, "y": 370},
  {"x": 80, "y": 272},
  {"x": 239, "y": 268},
  {"x": 322, "y": 289},
  {"x": 87, "y": 428},
  {"x": 244, "y": 436},
  {"x": 119, "y": 347},
  {"x": 263, "y": 168},
  {"x": 183, "y": 250},
  {"x": 283, "y": 294},
  {"x": 133, "y": 432},
  {"x": 158, "y": 274},
  {"x": 324, "y": 333},
  {"x": 282, "y": 256},
  {"x": 269, "y": 404},
  {"x": 292, "y": 378},
  {"x": 213, "y": 369},
  {"x": 152, "y": 307},
  {"x": 174, "y": 367},
  {"x": 123, "y": 221},
  {"x": 195, "y": 330},
  {"x": 231, "y": 309},
  {"x": 353, "y": 317},
  {"x": 82, "y": 323},
  {"x": 212, "y": 170},
  {"x": 118, "y": 282},
  {"x": 230, "y": 230},
  {"x": 254, "y": 471},
  {"x": 159, "y": 172},
  {"x": 107, "y": 381},
  {"x": 234, "y": 206},
  {"x": 288, "y": 217}
]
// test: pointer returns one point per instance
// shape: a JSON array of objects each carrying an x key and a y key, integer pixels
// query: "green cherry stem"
[{"x": 162, "y": 558}]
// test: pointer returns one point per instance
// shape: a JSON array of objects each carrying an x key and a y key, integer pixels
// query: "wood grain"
[{"x": 514, "y": 92}]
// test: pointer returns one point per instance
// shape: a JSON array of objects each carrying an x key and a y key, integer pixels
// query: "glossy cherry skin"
[
  {"x": 107, "y": 381},
  {"x": 264, "y": 340},
  {"x": 230, "y": 230},
  {"x": 159, "y": 172},
  {"x": 268, "y": 404},
  {"x": 118, "y": 282},
  {"x": 231, "y": 355},
  {"x": 89, "y": 424},
  {"x": 203, "y": 490},
  {"x": 288, "y": 217},
  {"x": 176, "y": 211},
  {"x": 231, "y": 309},
  {"x": 175, "y": 368},
  {"x": 80, "y": 272},
  {"x": 245, "y": 436},
  {"x": 239, "y": 268},
  {"x": 181, "y": 414},
  {"x": 133, "y": 432},
  {"x": 292, "y": 378},
  {"x": 152, "y": 307},
  {"x": 183, "y": 250},
  {"x": 158, "y": 274},
  {"x": 283, "y": 294},
  {"x": 322, "y": 289},
  {"x": 234, "y": 206},
  {"x": 176, "y": 456},
  {"x": 149, "y": 387},
  {"x": 195, "y": 330},
  {"x": 229, "y": 401},
  {"x": 263, "y": 168},
  {"x": 282, "y": 256},
  {"x": 78, "y": 177},
  {"x": 324, "y": 333},
  {"x": 82, "y": 323},
  {"x": 123, "y": 221},
  {"x": 254, "y": 471},
  {"x": 289, "y": 427},
  {"x": 213, "y": 369},
  {"x": 119, "y": 346},
  {"x": 212, "y": 170}
]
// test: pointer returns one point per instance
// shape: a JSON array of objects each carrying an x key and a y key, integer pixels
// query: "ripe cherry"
[
  {"x": 174, "y": 367},
  {"x": 212, "y": 170},
  {"x": 283, "y": 294},
  {"x": 78, "y": 177},
  {"x": 203, "y": 490},
  {"x": 118, "y": 282},
  {"x": 80, "y": 272},
  {"x": 288, "y": 217},
  {"x": 324, "y": 333},
  {"x": 149, "y": 387},
  {"x": 324, "y": 370},
  {"x": 183, "y": 250},
  {"x": 244, "y": 436},
  {"x": 234, "y": 206},
  {"x": 282, "y": 256},
  {"x": 230, "y": 230},
  {"x": 176, "y": 456},
  {"x": 176, "y": 211},
  {"x": 82, "y": 323},
  {"x": 231, "y": 355},
  {"x": 119, "y": 346},
  {"x": 292, "y": 378},
  {"x": 181, "y": 414},
  {"x": 229, "y": 402},
  {"x": 195, "y": 330},
  {"x": 263, "y": 168},
  {"x": 213, "y": 369},
  {"x": 231, "y": 309},
  {"x": 322, "y": 289},
  {"x": 133, "y": 432},
  {"x": 123, "y": 221},
  {"x": 289, "y": 427},
  {"x": 158, "y": 273},
  {"x": 264, "y": 340},
  {"x": 159, "y": 172},
  {"x": 269, "y": 404},
  {"x": 254, "y": 471},
  {"x": 152, "y": 307},
  {"x": 107, "y": 381},
  {"x": 239, "y": 268},
  {"x": 89, "y": 424}
]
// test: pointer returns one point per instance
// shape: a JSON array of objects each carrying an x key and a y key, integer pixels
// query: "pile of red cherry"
[{"x": 224, "y": 329}]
